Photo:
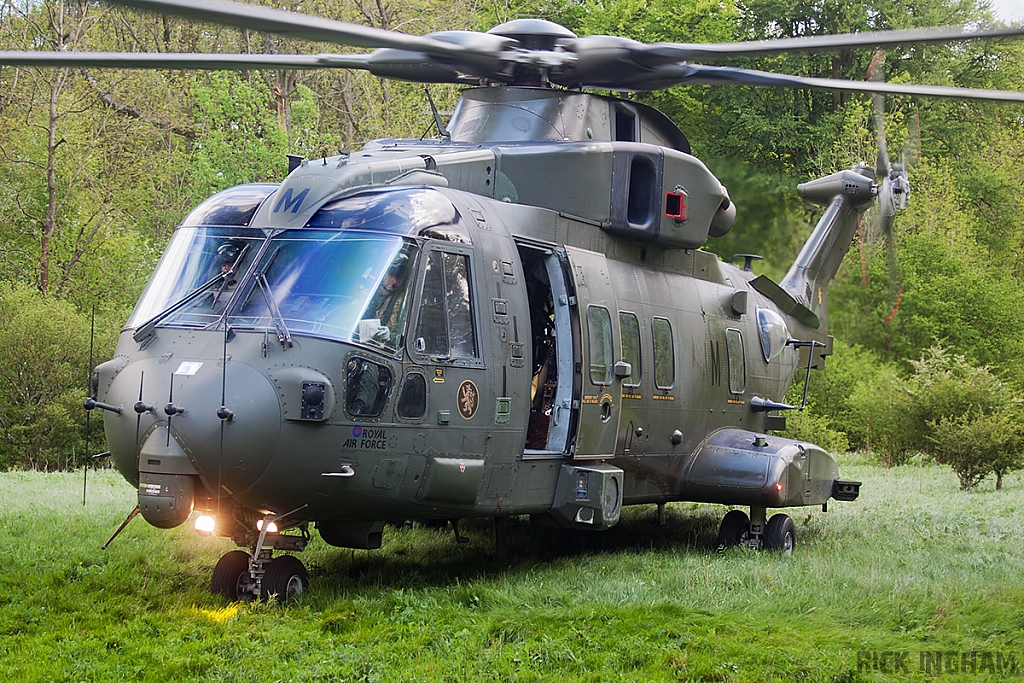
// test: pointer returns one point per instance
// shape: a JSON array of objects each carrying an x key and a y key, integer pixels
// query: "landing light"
[
  {"x": 271, "y": 528},
  {"x": 205, "y": 525}
]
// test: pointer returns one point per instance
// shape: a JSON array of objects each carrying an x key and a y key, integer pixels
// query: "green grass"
[{"x": 914, "y": 566}]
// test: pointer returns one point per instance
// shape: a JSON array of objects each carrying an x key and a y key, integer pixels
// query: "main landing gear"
[
  {"x": 240, "y": 575},
  {"x": 779, "y": 533}
]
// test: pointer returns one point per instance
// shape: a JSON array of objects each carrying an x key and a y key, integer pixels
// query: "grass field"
[{"x": 914, "y": 581}]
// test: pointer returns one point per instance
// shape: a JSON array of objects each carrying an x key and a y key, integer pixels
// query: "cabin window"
[
  {"x": 664, "y": 354},
  {"x": 737, "y": 361},
  {"x": 630, "y": 329},
  {"x": 367, "y": 387},
  {"x": 445, "y": 327},
  {"x": 412, "y": 404},
  {"x": 599, "y": 345}
]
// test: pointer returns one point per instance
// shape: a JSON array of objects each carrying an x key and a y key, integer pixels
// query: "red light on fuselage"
[{"x": 675, "y": 205}]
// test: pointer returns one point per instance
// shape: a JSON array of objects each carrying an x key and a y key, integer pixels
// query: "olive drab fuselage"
[{"x": 558, "y": 344}]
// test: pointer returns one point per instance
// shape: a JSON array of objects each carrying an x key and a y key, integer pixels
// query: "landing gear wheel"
[
  {"x": 285, "y": 577},
  {"x": 780, "y": 534},
  {"x": 231, "y": 576},
  {"x": 734, "y": 529}
]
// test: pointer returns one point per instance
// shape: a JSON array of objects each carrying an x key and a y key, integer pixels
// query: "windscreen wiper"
[
  {"x": 283, "y": 335},
  {"x": 146, "y": 329}
]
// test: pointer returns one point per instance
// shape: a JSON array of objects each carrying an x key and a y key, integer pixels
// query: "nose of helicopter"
[{"x": 177, "y": 430}]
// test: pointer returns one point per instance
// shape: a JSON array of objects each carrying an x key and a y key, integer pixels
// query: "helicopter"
[{"x": 515, "y": 318}]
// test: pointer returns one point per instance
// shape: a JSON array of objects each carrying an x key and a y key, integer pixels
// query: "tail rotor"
[{"x": 893, "y": 183}]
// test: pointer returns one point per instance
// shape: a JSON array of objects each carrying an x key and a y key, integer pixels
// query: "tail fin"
[{"x": 846, "y": 194}]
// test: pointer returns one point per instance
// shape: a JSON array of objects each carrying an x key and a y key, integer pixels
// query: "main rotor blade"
[
  {"x": 724, "y": 75},
  {"x": 174, "y": 60},
  {"x": 657, "y": 54},
  {"x": 281, "y": 22},
  {"x": 385, "y": 63}
]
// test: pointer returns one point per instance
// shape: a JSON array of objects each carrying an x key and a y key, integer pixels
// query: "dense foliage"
[{"x": 97, "y": 167}]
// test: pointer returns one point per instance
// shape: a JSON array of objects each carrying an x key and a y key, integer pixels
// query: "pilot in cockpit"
[
  {"x": 382, "y": 323},
  {"x": 227, "y": 257},
  {"x": 387, "y": 306}
]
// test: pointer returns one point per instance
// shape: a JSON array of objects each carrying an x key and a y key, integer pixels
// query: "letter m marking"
[{"x": 288, "y": 202}]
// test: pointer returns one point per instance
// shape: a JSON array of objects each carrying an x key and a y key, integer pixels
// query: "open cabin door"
[
  {"x": 552, "y": 331},
  {"x": 599, "y": 390}
]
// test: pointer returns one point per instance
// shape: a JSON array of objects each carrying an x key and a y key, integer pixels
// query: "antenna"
[
  {"x": 437, "y": 115},
  {"x": 224, "y": 413},
  {"x": 88, "y": 413},
  {"x": 140, "y": 407},
  {"x": 171, "y": 410}
]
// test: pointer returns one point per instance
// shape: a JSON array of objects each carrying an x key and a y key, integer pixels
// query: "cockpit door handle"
[{"x": 346, "y": 471}]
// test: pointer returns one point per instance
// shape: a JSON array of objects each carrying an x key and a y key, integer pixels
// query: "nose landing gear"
[
  {"x": 241, "y": 576},
  {"x": 231, "y": 576}
]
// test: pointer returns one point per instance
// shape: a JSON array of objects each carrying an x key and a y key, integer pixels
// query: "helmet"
[
  {"x": 228, "y": 252},
  {"x": 400, "y": 266}
]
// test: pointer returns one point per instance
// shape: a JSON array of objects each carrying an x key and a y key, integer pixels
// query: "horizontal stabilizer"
[{"x": 785, "y": 301}]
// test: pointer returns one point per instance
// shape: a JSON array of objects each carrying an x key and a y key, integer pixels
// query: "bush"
[
  {"x": 44, "y": 358},
  {"x": 974, "y": 418},
  {"x": 808, "y": 425},
  {"x": 958, "y": 414},
  {"x": 831, "y": 389},
  {"x": 884, "y": 416},
  {"x": 973, "y": 445}
]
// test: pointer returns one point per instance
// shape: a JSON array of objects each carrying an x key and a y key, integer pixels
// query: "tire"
[
  {"x": 734, "y": 529},
  {"x": 780, "y": 534},
  {"x": 231, "y": 576},
  {"x": 285, "y": 578}
]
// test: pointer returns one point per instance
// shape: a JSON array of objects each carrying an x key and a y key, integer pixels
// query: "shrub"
[
  {"x": 974, "y": 418},
  {"x": 830, "y": 388},
  {"x": 44, "y": 358},
  {"x": 808, "y": 425},
  {"x": 973, "y": 445},
  {"x": 884, "y": 416}
]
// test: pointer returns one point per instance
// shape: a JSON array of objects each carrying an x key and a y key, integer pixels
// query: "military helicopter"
[{"x": 513, "y": 319}]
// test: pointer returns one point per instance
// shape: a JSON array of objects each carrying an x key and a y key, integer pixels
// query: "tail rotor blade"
[{"x": 876, "y": 73}]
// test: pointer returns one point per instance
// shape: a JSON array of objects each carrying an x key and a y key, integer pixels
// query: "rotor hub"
[{"x": 533, "y": 34}]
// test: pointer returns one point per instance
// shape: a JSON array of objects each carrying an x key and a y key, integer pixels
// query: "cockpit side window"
[
  {"x": 445, "y": 326},
  {"x": 367, "y": 386}
]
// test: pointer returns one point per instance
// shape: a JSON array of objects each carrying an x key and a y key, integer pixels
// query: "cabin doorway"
[{"x": 552, "y": 352}]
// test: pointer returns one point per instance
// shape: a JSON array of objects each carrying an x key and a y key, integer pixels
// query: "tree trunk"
[{"x": 50, "y": 220}]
